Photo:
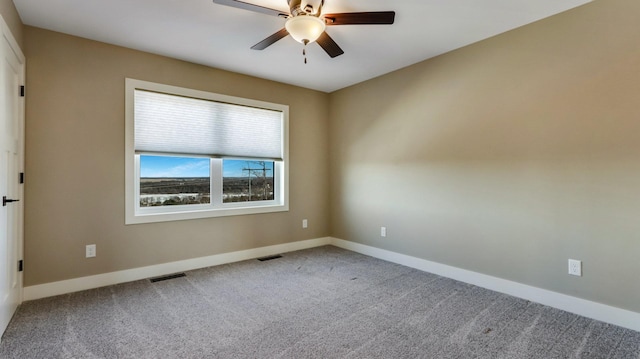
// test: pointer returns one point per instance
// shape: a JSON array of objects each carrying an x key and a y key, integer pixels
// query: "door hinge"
[
  {"x": 21, "y": 178},
  {"x": 21, "y": 91},
  {"x": 20, "y": 265}
]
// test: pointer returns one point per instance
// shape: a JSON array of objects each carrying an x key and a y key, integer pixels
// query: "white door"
[{"x": 12, "y": 130}]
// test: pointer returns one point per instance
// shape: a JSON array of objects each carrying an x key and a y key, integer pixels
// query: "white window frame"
[{"x": 134, "y": 214}]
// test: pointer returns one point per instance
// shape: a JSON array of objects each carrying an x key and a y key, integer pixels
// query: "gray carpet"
[{"x": 318, "y": 303}]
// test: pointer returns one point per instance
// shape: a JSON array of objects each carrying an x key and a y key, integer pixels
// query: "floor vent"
[
  {"x": 268, "y": 258},
  {"x": 167, "y": 277}
]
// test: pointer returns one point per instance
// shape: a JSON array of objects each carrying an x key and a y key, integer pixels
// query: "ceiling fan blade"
[
  {"x": 361, "y": 18},
  {"x": 251, "y": 7},
  {"x": 329, "y": 46},
  {"x": 270, "y": 40}
]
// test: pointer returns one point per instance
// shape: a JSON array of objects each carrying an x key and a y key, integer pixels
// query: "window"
[{"x": 193, "y": 154}]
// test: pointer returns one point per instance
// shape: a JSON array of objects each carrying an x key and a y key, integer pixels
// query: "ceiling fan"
[{"x": 306, "y": 23}]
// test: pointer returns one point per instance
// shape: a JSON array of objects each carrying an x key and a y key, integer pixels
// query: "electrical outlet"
[
  {"x": 575, "y": 267},
  {"x": 383, "y": 231},
  {"x": 90, "y": 251},
  {"x": 305, "y": 223}
]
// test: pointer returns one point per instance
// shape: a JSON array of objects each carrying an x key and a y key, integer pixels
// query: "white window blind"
[{"x": 175, "y": 124}]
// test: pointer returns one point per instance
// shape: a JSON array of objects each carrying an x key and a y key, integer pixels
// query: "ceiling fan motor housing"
[{"x": 297, "y": 8}]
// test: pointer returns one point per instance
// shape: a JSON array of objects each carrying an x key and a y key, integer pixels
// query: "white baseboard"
[
  {"x": 129, "y": 275},
  {"x": 585, "y": 308}
]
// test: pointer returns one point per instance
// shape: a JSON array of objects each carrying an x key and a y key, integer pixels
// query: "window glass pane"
[
  {"x": 244, "y": 181},
  {"x": 167, "y": 180}
]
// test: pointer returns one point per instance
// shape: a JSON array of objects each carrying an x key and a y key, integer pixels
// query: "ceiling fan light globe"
[{"x": 305, "y": 28}]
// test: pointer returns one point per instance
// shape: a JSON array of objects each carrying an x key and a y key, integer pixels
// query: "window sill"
[{"x": 151, "y": 217}]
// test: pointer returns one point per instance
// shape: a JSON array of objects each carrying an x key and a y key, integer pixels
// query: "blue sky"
[{"x": 161, "y": 166}]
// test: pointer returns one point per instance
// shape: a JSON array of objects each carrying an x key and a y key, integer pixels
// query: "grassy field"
[{"x": 183, "y": 191}]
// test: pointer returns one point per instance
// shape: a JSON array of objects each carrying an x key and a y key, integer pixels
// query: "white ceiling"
[{"x": 203, "y": 32}]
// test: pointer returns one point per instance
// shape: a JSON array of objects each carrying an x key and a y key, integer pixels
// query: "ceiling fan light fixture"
[{"x": 305, "y": 28}]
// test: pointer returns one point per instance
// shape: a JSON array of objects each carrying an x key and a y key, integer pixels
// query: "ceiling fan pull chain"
[{"x": 304, "y": 52}]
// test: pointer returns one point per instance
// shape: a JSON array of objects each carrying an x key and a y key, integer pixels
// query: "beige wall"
[
  {"x": 11, "y": 17},
  {"x": 75, "y": 162},
  {"x": 506, "y": 157}
]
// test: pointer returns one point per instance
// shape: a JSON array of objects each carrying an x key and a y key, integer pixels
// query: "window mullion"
[{"x": 216, "y": 182}]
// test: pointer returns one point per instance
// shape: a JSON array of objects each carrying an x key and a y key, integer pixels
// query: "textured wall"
[
  {"x": 75, "y": 162},
  {"x": 506, "y": 157},
  {"x": 12, "y": 18}
]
